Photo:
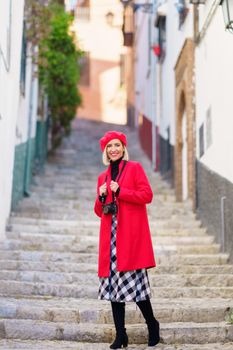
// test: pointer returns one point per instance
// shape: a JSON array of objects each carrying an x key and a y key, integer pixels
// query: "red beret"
[{"x": 111, "y": 135}]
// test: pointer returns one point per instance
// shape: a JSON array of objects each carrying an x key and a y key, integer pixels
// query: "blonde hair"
[{"x": 106, "y": 160}]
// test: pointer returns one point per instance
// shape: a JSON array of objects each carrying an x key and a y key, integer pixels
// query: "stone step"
[
  {"x": 50, "y": 212},
  {"x": 54, "y": 188},
  {"x": 59, "y": 205},
  {"x": 48, "y": 266},
  {"x": 48, "y": 197},
  {"x": 92, "y": 311},
  {"x": 91, "y": 245},
  {"x": 79, "y": 198},
  {"x": 170, "y": 225},
  {"x": 161, "y": 280},
  {"x": 77, "y": 217},
  {"x": 30, "y": 265},
  {"x": 49, "y": 246},
  {"x": 71, "y": 179},
  {"x": 166, "y": 259},
  {"x": 82, "y": 237},
  {"x": 193, "y": 259},
  {"x": 82, "y": 278},
  {"x": 94, "y": 231},
  {"x": 14, "y": 288},
  {"x": 49, "y": 256},
  {"x": 196, "y": 248},
  {"x": 171, "y": 333},
  {"x": 9, "y": 344},
  {"x": 37, "y": 214}
]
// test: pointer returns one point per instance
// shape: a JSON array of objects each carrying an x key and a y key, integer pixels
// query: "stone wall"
[{"x": 210, "y": 189}]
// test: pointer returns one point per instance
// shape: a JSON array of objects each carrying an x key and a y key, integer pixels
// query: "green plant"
[
  {"x": 229, "y": 316},
  {"x": 57, "y": 59}
]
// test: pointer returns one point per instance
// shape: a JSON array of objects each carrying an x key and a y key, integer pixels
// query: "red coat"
[{"x": 133, "y": 240}]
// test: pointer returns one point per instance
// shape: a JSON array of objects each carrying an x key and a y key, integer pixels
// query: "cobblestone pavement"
[{"x": 48, "y": 263}]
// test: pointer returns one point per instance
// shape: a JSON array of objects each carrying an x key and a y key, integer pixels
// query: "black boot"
[
  {"x": 152, "y": 323},
  {"x": 118, "y": 312}
]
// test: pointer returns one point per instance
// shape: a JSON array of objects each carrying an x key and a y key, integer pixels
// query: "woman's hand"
[
  {"x": 114, "y": 186},
  {"x": 103, "y": 189}
]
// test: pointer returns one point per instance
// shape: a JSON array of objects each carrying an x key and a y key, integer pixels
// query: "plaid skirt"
[{"x": 123, "y": 286}]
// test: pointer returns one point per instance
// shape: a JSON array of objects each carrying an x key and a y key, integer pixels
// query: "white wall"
[
  {"x": 28, "y": 104},
  {"x": 214, "y": 82},
  {"x": 145, "y": 82},
  {"x": 174, "y": 43},
  {"x": 11, "y": 21}
]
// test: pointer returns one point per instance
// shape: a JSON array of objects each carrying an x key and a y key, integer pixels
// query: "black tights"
[{"x": 118, "y": 311}]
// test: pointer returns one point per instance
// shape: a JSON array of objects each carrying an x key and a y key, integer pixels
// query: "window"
[
  {"x": 83, "y": 10},
  {"x": 109, "y": 18},
  {"x": 208, "y": 128},
  {"x": 182, "y": 11},
  {"x": 161, "y": 25},
  {"x": 162, "y": 36},
  {"x": 201, "y": 141},
  {"x": 23, "y": 63}
]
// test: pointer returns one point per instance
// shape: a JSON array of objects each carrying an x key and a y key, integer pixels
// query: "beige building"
[{"x": 98, "y": 25}]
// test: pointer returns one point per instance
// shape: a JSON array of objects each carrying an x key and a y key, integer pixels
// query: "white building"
[
  {"x": 214, "y": 102},
  {"x": 175, "y": 112},
  {"x": 214, "y": 123},
  {"x": 164, "y": 68},
  {"x": 145, "y": 76},
  {"x": 189, "y": 98},
  {"x": 18, "y": 109},
  {"x": 11, "y": 29}
]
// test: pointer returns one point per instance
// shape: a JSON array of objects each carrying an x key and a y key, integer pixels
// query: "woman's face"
[{"x": 115, "y": 150}]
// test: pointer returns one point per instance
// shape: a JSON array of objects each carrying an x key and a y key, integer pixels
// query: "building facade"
[
  {"x": 23, "y": 126},
  {"x": 145, "y": 79},
  {"x": 214, "y": 123},
  {"x": 183, "y": 109},
  {"x": 11, "y": 32},
  {"x": 174, "y": 22},
  {"x": 98, "y": 25}
]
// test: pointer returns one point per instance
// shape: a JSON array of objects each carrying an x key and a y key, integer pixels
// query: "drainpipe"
[
  {"x": 28, "y": 168},
  {"x": 153, "y": 96}
]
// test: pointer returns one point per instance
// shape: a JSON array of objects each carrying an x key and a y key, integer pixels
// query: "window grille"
[{"x": 23, "y": 63}]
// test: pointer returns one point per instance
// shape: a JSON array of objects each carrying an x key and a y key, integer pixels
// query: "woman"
[{"x": 125, "y": 247}]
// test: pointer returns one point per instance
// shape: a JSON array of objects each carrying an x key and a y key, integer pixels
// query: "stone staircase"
[{"x": 48, "y": 264}]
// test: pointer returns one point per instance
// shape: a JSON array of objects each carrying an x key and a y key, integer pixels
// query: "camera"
[{"x": 110, "y": 208}]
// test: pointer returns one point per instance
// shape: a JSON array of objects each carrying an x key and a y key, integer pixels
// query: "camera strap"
[
  {"x": 117, "y": 179},
  {"x": 119, "y": 175}
]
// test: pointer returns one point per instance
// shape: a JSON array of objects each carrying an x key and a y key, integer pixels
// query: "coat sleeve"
[
  {"x": 98, "y": 205},
  {"x": 142, "y": 194}
]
